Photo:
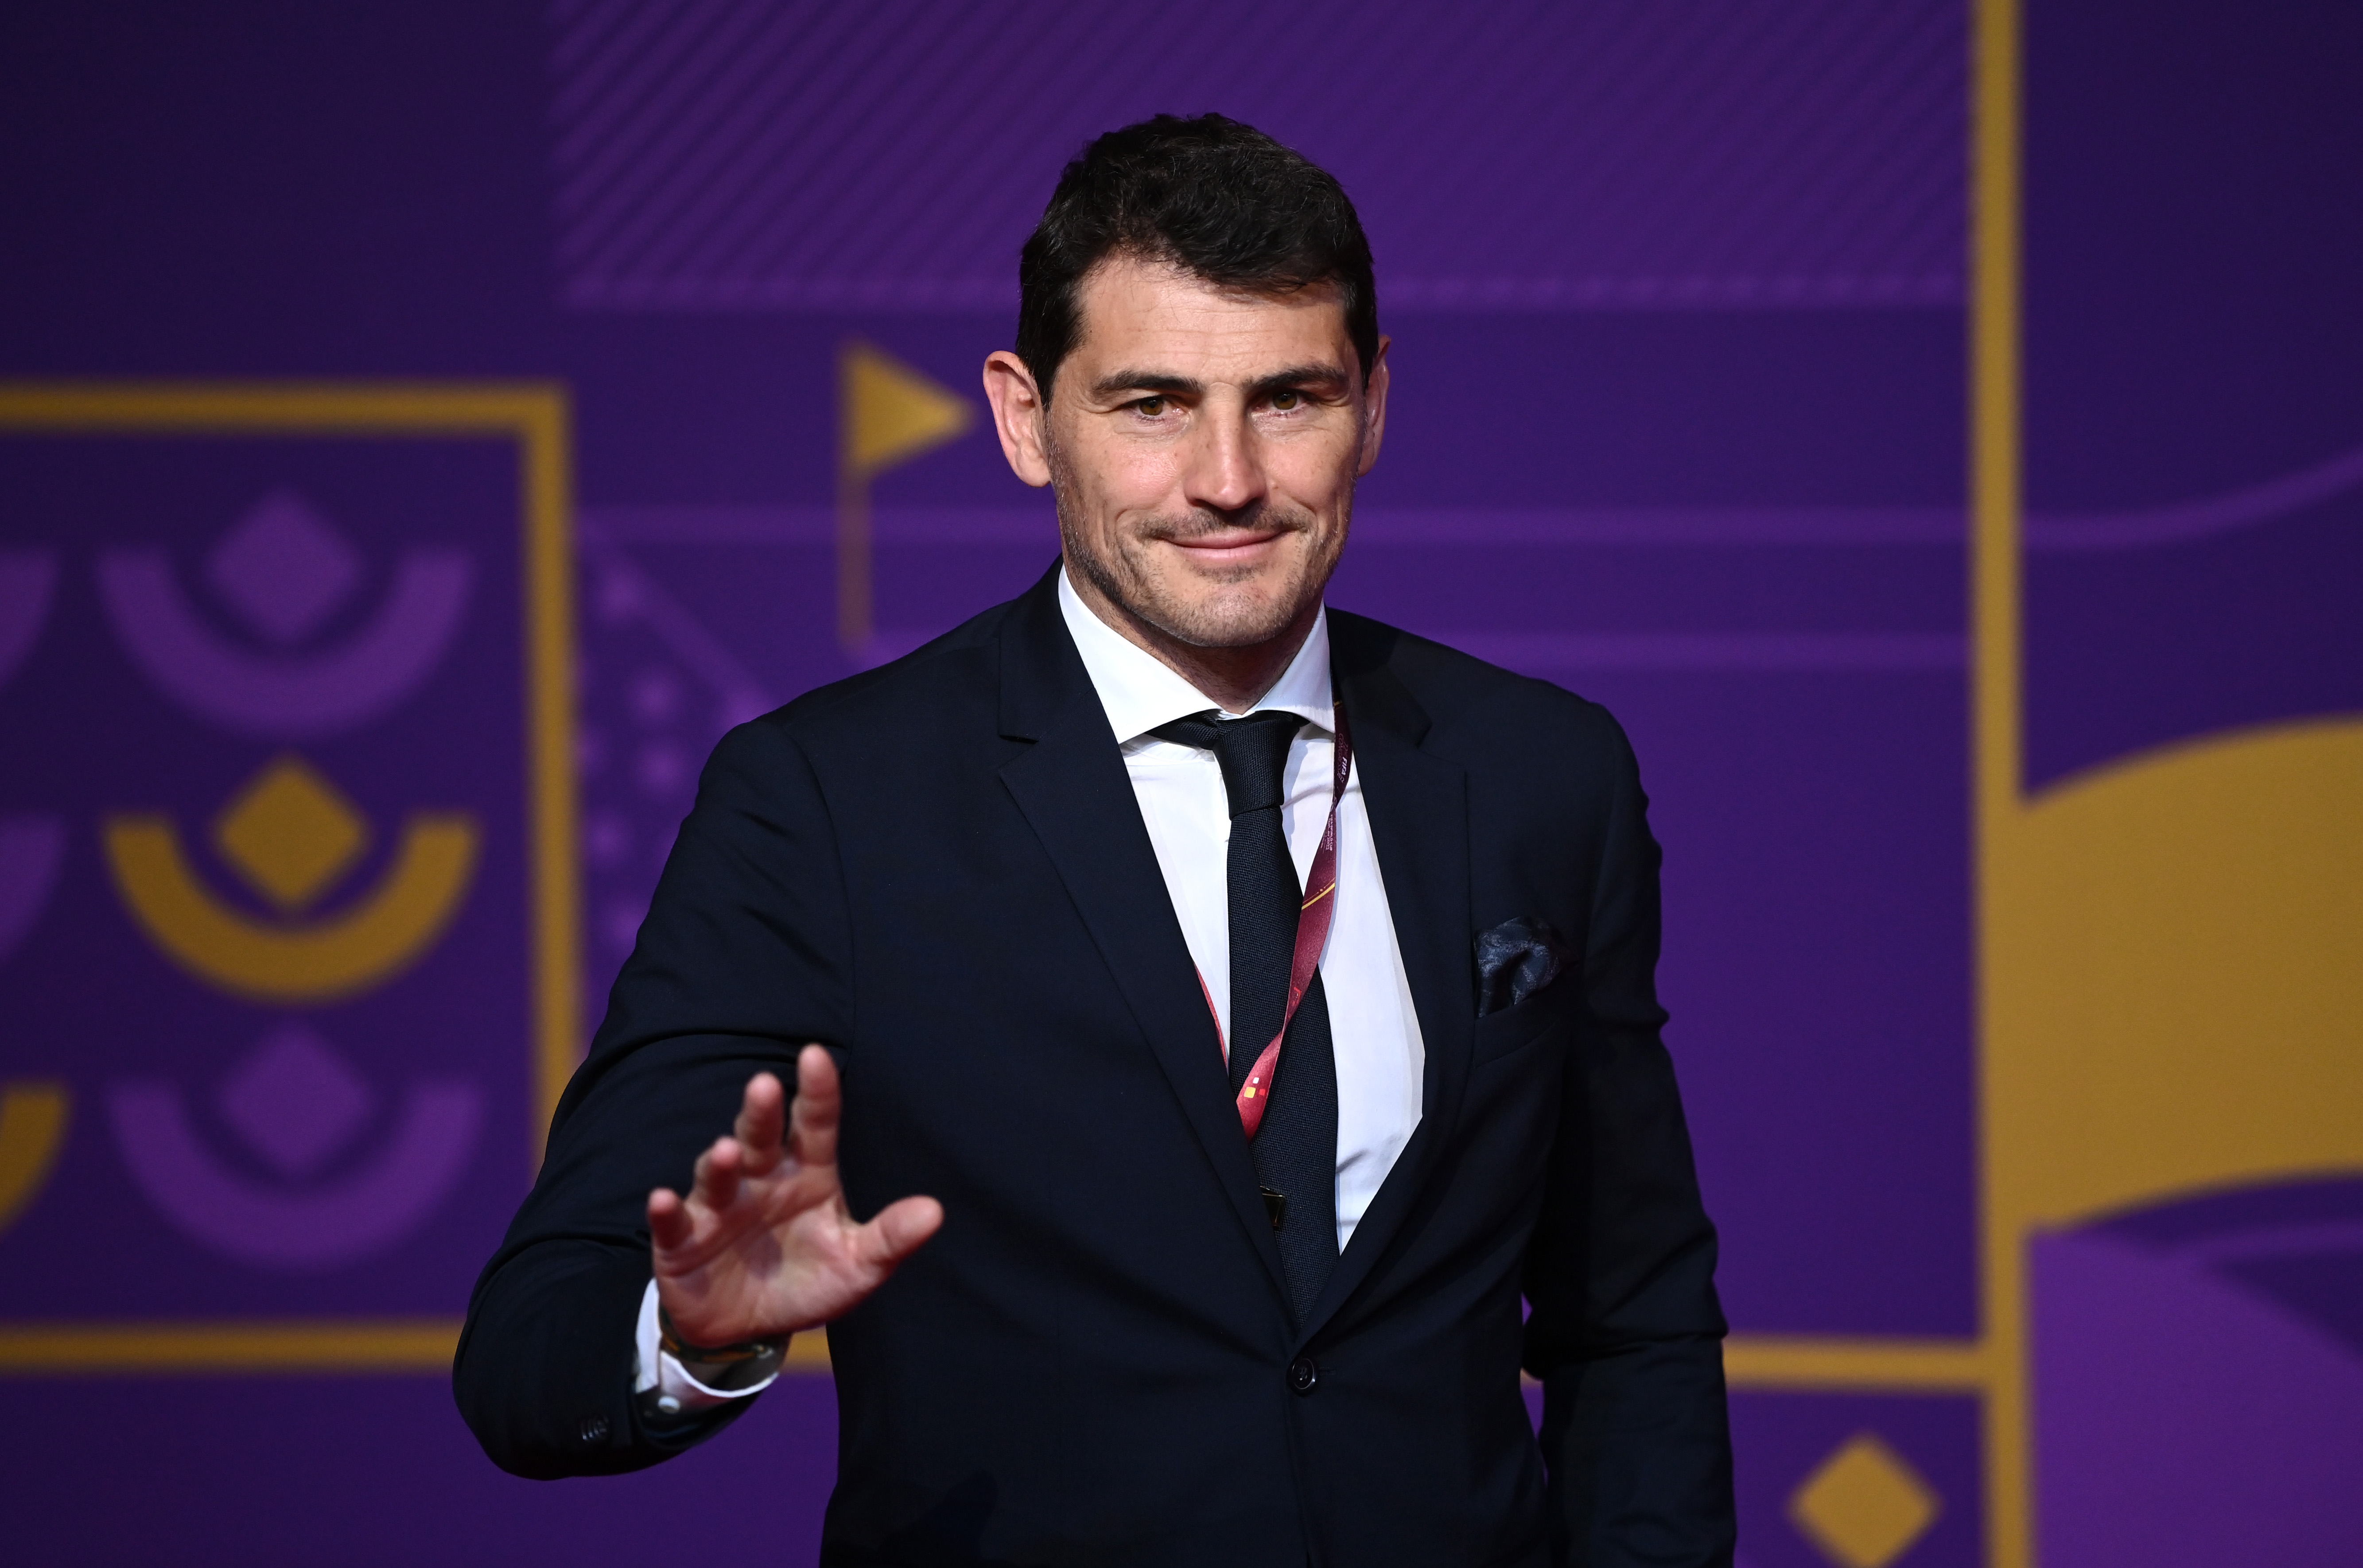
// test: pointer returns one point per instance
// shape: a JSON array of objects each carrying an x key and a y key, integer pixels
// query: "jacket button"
[
  {"x": 593, "y": 1429},
  {"x": 1303, "y": 1375}
]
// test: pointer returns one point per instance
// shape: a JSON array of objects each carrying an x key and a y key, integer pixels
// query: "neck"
[{"x": 1232, "y": 679}]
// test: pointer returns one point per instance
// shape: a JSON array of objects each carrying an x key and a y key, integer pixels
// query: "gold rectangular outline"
[{"x": 537, "y": 417}]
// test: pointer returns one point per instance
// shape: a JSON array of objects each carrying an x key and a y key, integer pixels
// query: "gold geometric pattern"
[
  {"x": 291, "y": 833},
  {"x": 1864, "y": 1506},
  {"x": 535, "y": 418}
]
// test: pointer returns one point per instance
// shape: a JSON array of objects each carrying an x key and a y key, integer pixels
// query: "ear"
[
  {"x": 1374, "y": 410},
  {"x": 1018, "y": 415}
]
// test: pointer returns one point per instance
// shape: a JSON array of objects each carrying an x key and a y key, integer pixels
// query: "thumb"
[{"x": 900, "y": 1230}]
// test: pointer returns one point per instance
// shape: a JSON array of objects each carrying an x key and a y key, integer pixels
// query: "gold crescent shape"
[
  {"x": 2177, "y": 992},
  {"x": 275, "y": 962},
  {"x": 32, "y": 1128}
]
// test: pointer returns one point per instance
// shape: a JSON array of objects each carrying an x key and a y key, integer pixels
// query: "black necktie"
[{"x": 1296, "y": 1148}]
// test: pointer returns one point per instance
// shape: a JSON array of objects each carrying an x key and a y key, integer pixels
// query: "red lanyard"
[{"x": 1311, "y": 934}]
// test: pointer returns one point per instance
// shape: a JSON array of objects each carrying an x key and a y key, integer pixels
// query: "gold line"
[
  {"x": 1894, "y": 1365},
  {"x": 1316, "y": 898},
  {"x": 1994, "y": 403},
  {"x": 394, "y": 1348},
  {"x": 309, "y": 408},
  {"x": 88, "y": 1349},
  {"x": 427, "y": 1345},
  {"x": 549, "y": 544},
  {"x": 1996, "y": 411}
]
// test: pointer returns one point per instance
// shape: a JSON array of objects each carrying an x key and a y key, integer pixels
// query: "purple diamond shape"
[
  {"x": 285, "y": 568},
  {"x": 295, "y": 1101}
]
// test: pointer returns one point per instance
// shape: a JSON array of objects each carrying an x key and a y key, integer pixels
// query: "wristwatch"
[{"x": 726, "y": 1369}]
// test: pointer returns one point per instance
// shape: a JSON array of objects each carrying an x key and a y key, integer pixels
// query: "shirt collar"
[{"x": 1141, "y": 692}]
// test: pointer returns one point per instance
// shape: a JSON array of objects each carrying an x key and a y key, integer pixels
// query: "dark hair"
[{"x": 1210, "y": 195}]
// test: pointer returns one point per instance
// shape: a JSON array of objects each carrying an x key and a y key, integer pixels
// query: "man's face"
[{"x": 1204, "y": 446}]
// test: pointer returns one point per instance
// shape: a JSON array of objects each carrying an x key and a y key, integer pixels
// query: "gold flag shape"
[
  {"x": 892, "y": 411},
  {"x": 888, "y": 413}
]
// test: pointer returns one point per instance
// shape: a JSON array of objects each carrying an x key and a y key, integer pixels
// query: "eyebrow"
[
  {"x": 1144, "y": 381},
  {"x": 1155, "y": 382}
]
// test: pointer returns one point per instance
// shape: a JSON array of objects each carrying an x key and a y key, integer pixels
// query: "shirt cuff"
[{"x": 660, "y": 1379}]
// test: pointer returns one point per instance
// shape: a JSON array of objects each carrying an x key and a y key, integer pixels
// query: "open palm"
[{"x": 764, "y": 1244}]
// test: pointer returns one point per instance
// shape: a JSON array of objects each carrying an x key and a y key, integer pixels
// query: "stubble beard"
[{"x": 1217, "y": 619}]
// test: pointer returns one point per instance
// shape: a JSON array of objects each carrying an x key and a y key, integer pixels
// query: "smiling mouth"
[{"x": 1227, "y": 547}]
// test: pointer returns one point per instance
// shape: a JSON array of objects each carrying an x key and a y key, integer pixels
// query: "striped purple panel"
[{"x": 740, "y": 155}]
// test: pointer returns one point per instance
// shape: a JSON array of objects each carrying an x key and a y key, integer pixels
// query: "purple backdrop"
[{"x": 1678, "y": 302}]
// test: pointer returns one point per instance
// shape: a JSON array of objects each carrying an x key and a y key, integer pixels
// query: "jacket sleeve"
[
  {"x": 1625, "y": 1331},
  {"x": 744, "y": 958}
]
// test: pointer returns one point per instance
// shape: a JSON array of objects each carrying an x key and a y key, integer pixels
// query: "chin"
[{"x": 1228, "y": 621}]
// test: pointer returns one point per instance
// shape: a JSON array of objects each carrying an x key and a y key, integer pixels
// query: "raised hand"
[{"x": 764, "y": 1244}]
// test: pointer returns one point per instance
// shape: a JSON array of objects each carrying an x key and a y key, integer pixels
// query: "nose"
[{"x": 1224, "y": 472}]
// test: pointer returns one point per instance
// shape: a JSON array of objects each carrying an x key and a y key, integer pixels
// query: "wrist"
[{"x": 726, "y": 1367}]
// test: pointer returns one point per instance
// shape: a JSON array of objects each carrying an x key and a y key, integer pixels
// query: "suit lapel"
[
  {"x": 1419, "y": 808},
  {"x": 1074, "y": 791}
]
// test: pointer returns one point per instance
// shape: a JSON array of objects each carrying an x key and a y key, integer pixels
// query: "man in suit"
[{"x": 1229, "y": 1010}]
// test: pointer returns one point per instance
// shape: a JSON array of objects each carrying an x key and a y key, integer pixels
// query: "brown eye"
[
  {"x": 1150, "y": 406},
  {"x": 1284, "y": 401}
]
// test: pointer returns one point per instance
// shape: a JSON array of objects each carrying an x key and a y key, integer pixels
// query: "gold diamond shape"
[
  {"x": 291, "y": 833},
  {"x": 1865, "y": 1505}
]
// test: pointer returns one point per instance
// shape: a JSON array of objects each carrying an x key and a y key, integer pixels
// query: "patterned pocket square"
[{"x": 1515, "y": 959}]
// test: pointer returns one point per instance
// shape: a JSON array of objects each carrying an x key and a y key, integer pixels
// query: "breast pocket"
[{"x": 1502, "y": 1034}]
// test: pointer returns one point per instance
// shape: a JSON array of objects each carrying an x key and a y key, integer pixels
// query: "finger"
[
  {"x": 763, "y": 1116},
  {"x": 816, "y": 1107},
  {"x": 899, "y": 1230},
  {"x": 669, "y": 1225},
  {"x": 717, "y": 1175}
]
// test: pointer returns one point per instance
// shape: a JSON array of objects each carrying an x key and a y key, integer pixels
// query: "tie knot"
[{"x": 1252, "y": 751}]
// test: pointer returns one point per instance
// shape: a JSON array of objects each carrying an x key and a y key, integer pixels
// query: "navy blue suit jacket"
[{"x": 939, "y": 869}]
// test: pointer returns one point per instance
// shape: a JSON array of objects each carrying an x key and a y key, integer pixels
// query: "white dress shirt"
[{"x": 1373, "y": 1026}]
